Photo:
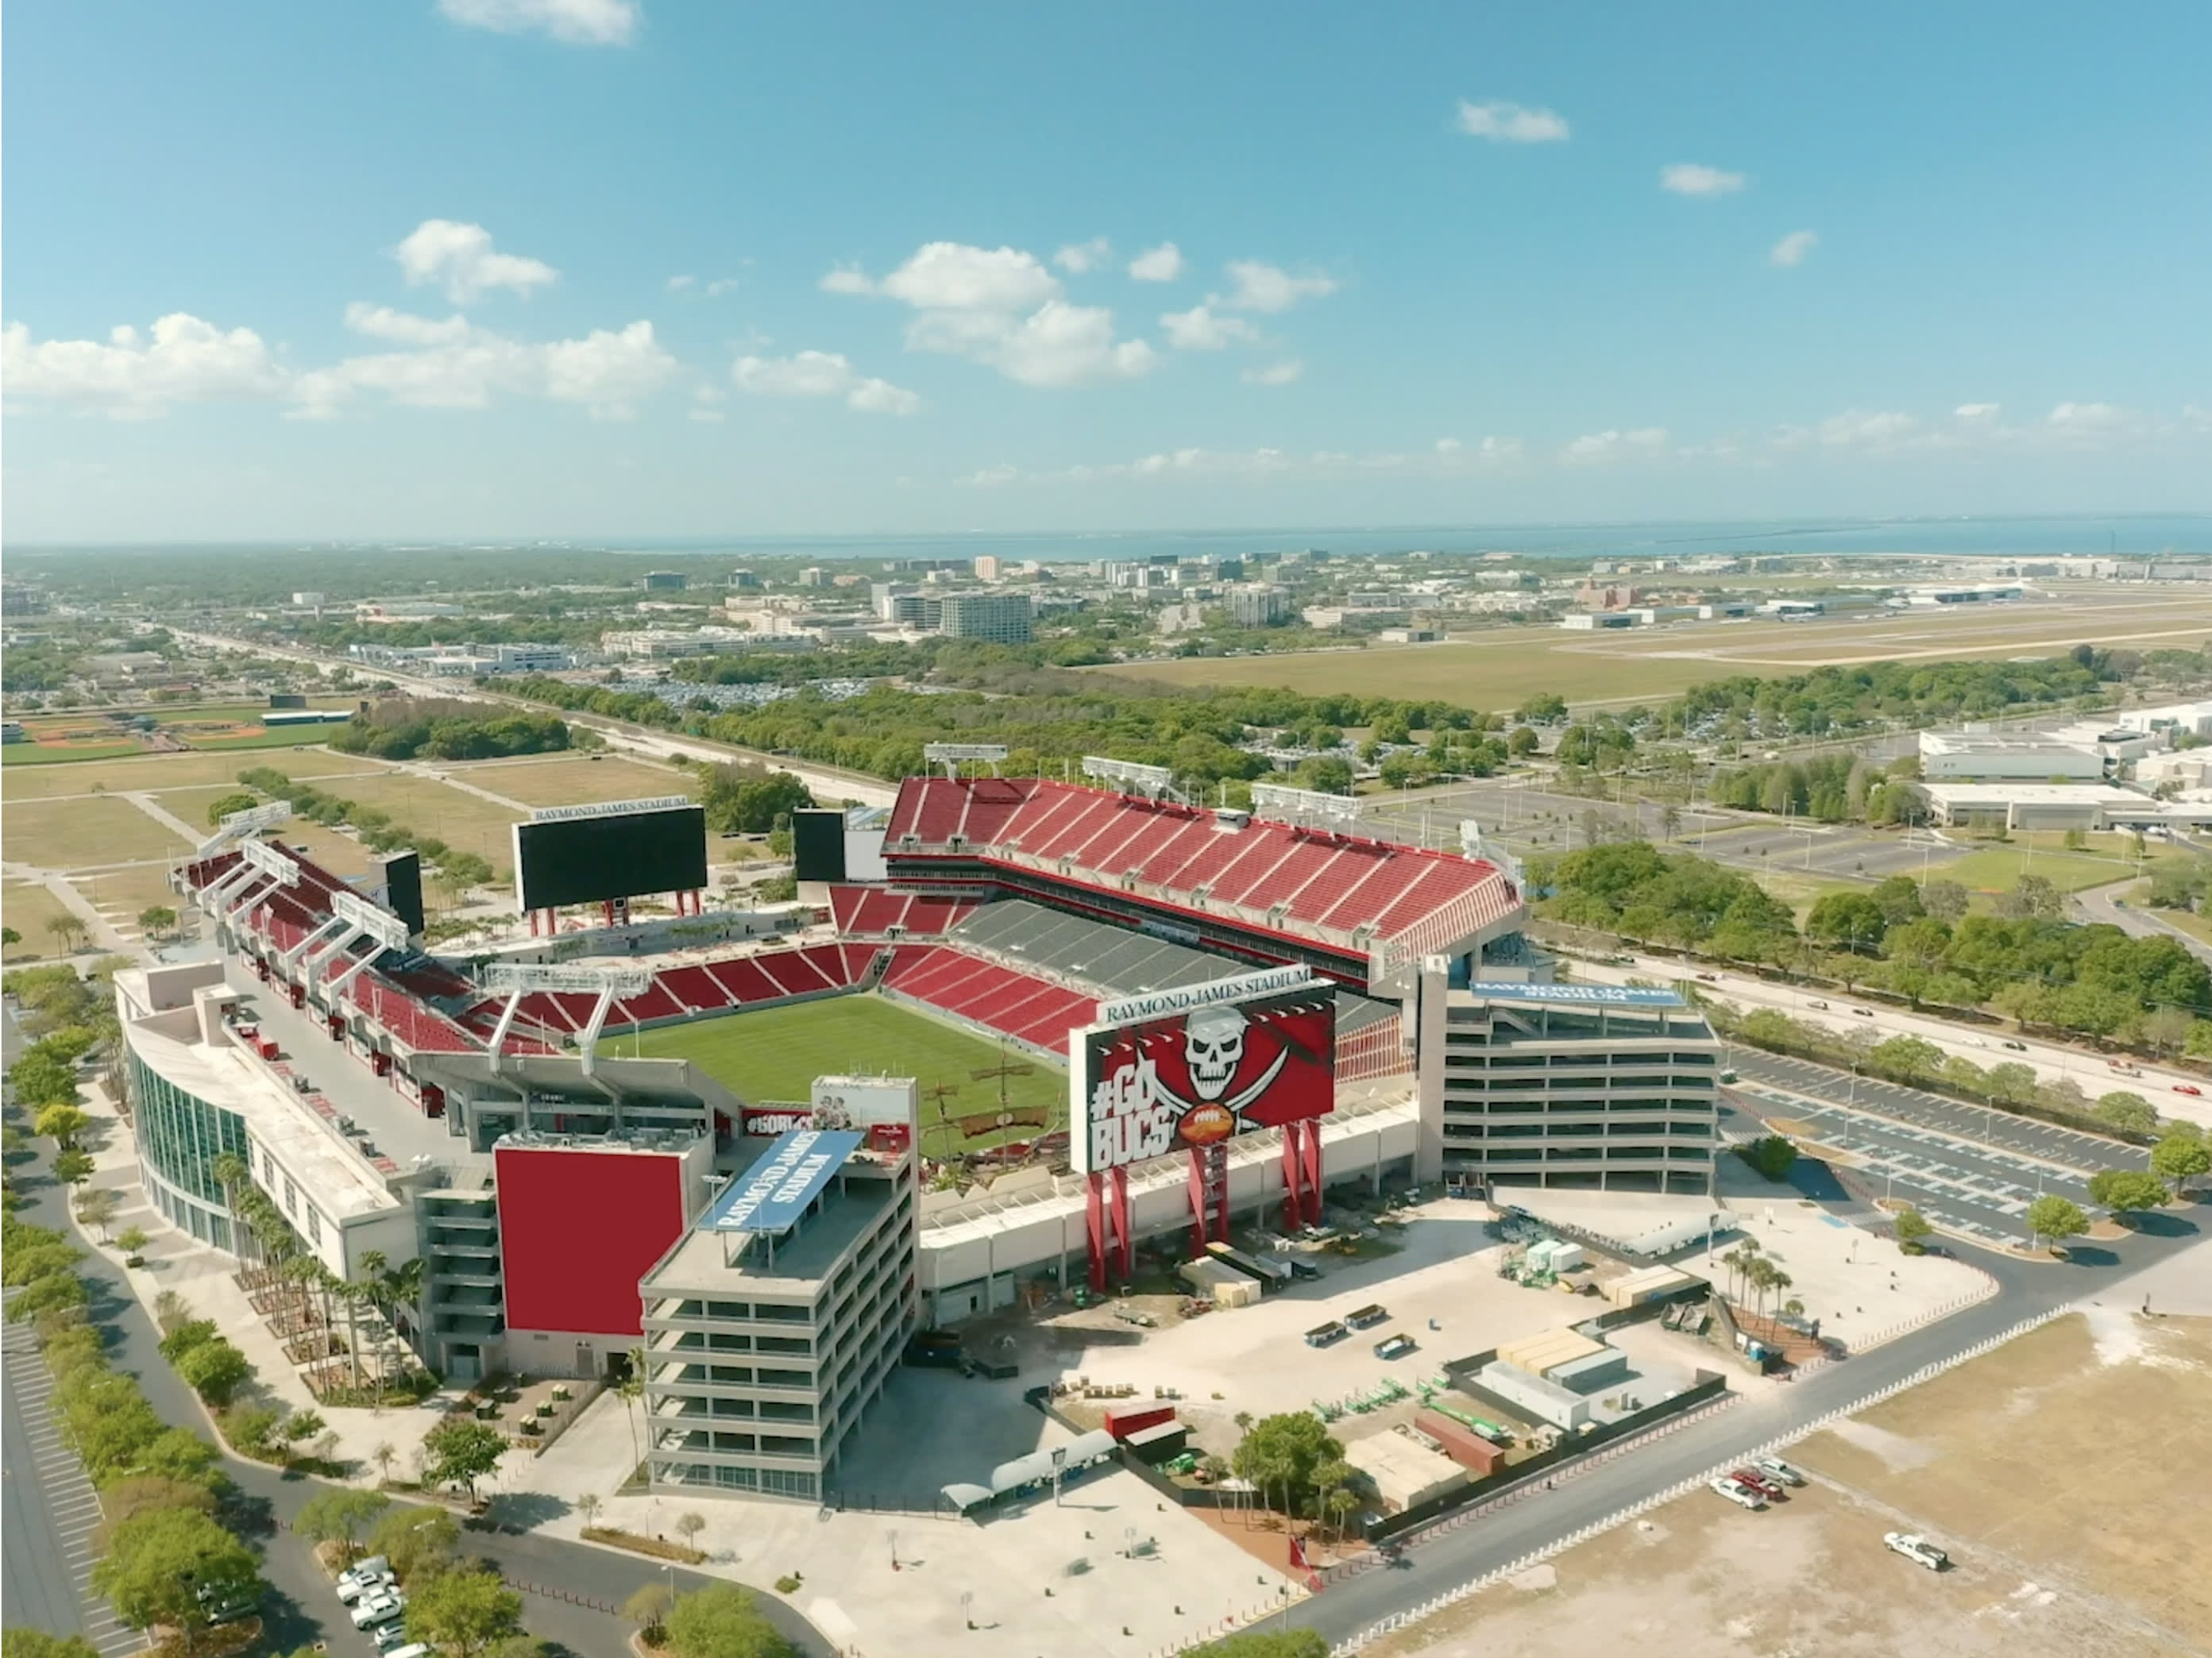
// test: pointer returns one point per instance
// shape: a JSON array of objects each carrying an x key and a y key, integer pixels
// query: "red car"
[
  {"x": 1766, "y": 1484},
  {"x": 2189, "y": 1088}
]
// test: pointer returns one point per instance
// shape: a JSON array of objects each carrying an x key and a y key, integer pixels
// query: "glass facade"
[{"x": 179, "y": 1137}]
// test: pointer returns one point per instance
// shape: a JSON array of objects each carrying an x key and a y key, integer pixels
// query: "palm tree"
[
  {"x": 1342, "y": 1503},
  {"x": 232, "y": 1173},
  {"x": 632, "y": 1388}
]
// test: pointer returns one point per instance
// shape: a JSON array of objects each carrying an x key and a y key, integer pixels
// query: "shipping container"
[
  {"x": 1373, "y": 1313},
  {"x": 1122, "y": 1420},
  {"x": 1460, "y": 1443}
]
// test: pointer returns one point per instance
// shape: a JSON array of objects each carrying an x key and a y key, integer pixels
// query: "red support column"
[
  {"x": 1294, "y": 1208},
  {"x": 1094, "y": 1216},
  {"x": 610, "y": 911},
  {"x": 1198, "y": 1194},
  {"x": 1313, "y": 1171},
  {"x": 1123, "y": 1230},
  {"x": 1218, "y": 1172}
]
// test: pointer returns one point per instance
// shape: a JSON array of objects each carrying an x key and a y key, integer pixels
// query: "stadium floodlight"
[
  {"x": 279, "y": 865},
  {"x": 1305, "y": 805},
  {"x": 518, "y": 979},
  {"x": 523, "y": 977},
  {"x": 362, "y": 916},
  {"x": 951, "y": 755},
  {"x": 1151, "y": 782},
  {"x": 236, "y": 826}
]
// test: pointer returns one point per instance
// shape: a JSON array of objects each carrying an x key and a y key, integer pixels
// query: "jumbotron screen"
[
  {"x": 587, "y": 860},
  {"x": 1195, "y": 1079}
]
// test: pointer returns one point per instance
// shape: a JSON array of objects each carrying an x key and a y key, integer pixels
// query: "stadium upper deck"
[{"x": 1359, "y": 909}]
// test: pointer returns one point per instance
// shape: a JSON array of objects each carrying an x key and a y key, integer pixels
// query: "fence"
[{"x": 1452, "y": 1597}]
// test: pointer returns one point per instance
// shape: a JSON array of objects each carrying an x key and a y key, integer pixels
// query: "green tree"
[
  {"x": 1280, "y": 1454},
  {"x": 1523, "y": 741},
  {"x": 340, "y": 1515},
  {"x": 2130, "y": 1113},
  {"x": 1946, "y": 901},
  {"x": 157, "y": 1562},
  {"x": 73, "y": 1168},
  {"x": 1908, "y": 1058},
  {"x": 2009, "y": 1082},
  {"x": 1264, "y": 1644},
  {"x": 748, "y": 799},
  {"x": 156, "y": 919},
  {"x": 143, "y": 1493},
  {"x": 2056, "y": 1218},
  {"x": 21, "y": 1641},
  {"x": 10, "y": 935},
  {"x": 460, "y": 1452},
  {"x": 463, "y": 1612},
  {"x": 647, "y": 1607},
  {"x": 2177, "y": 1159},
  {"x": 1773, "y": 1155},
  {"x": 67, "y": 932},
  {"x": 2125, "y": 1190},
  {"x": 418, "y": 1541},
  {"x": 215, "y": 1370},
  {"x": 97, "y": 1207},
  {"x": 1851, "y": 920},
  {"x": 61, "y": 1123},
  {"x": 224, "y": 804},
  {"x": 1911, "y": 1230},
  {"x": 54, "y": 1291},
  {"x": 176, "y": 1454},
  {"x": 723, "y": 1621},
  {"x": 133, "y": 1241}
]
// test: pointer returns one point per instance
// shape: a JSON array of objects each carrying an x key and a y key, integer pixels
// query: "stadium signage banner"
[
  {"x": 1193, "y": 1078},
  {"x": 609, "y": 809},
  {"x": 771, "y": 1195},
  {"x": 593, "y": 854},
  {"x": 881, "y": 1110},
  {"x": 1183, "y": 998}
]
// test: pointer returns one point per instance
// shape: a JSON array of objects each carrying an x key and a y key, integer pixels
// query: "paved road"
[
  {"x": 2098, "y": 904},
  {"x": 1433, "y": 1567}
]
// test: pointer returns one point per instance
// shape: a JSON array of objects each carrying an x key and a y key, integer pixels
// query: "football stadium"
[{"x": 1077, "y": 1019}]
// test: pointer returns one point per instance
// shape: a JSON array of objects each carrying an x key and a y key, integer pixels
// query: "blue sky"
[{"x": 477, "y": 268}]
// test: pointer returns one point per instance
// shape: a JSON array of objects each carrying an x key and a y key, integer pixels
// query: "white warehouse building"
[{"x": 2027, "y": 757}]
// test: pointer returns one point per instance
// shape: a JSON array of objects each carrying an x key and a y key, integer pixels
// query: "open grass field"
[
  {"x": 570, "y": 779},
  {"x": 152, "y": 773},
  {"x": 17, "y": 756},
  {"x": 2044, "y": 1468},
  {"x": 334, "y": 849},
  {"x": 1498, "y": 668},
  {"x": 246, "y": 737},
  {"x": 119, "y": 893},
  {"x": 77, "y": 833},
  {"x": 462, "y": 820},
  {"x": 27, "y": 907},
  {"x": 776, "y": 1054},
  {"x": 1998, "y": 869}
]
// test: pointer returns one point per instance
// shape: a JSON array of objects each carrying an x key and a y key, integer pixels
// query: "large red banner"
[{"x": 1203, "y": 1077}]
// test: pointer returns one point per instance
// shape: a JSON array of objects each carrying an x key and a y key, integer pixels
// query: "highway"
[
  {"x": 2094, "y": 1074},
  {"x": 1441, "y": 1563}
]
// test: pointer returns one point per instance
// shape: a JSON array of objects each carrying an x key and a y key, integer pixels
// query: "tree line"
[{"x": 436, "y": 728}]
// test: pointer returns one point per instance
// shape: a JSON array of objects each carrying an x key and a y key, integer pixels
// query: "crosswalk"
[{"x": 68, "y": 1493}]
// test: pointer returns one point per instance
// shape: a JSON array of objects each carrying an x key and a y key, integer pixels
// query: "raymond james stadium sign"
[
  {"x": 1134, "y": 1010},
  {"x": 611, "y": 809}
]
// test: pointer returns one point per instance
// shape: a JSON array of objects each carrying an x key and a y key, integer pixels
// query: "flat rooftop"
[
  {"x": 1998, "y": 794},
  {"x": 711, "y": 1262}
]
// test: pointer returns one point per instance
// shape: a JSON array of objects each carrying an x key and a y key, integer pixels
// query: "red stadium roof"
[{"x": 1387, "y": 902}]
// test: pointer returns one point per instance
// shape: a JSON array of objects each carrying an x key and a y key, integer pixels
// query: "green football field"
[{"x": 776, "y": 1052}]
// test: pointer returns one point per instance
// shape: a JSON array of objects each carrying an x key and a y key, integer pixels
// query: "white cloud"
[
  {"x": 1163, "y": 263},
  {"x": 381, "y": 322},
  {"x": 677, "y": 284},
  {"x": 991, "y": 477},
  {"x": 1689, "y": 179},
  {"x": 1002, "y": 307},
  {"x": 821, "y": 374},
  {"x": 1077, "y": 257},
  {"x": 578, "y": 23},
  {"x": 1265, "y": 288},
  {"x": 1199, "y": 329},
  {"x": 1449, "y": 446},
  {"x": 185, "y": 360},
  {"x": 1792, "y": 249},
  {"x": 953, "y": 276},
  {"x": 462, "y": 257},
  {"x": 847, "y": 279},
  {"x": 1598, "y": 447},
  {"x": 1976, "y": 412},
  {"x": 1511, "y": 123},
  {"x": 2088, "y": 417},
  {"x": 1275, "y": 374},
  {"x": 608, "y": 371},
  {"x": 1887, "y": 429},
  {"x": 720, "y": 285},
  {"x": 1447, "y": 459},
  {"x": 706, "y": 404}
]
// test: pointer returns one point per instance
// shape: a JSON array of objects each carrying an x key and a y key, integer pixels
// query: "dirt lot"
[
  {"x": 1984, "y": 1461},
  {"x": 569, "y": 780}
]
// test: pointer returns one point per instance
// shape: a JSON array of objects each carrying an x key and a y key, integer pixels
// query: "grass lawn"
[
  {"x": 222, "y": 742},
  {"x": 27, "y": 907},
  {"x": 466, "y": 822},
  {"x": 56, "y": 754},
  {"x": 120, "y": 894},
  {"x": 78, "y": 834},
  {"x": 152, "y": 773},
  {"x": 776, "y": 1052},
  {"x": 572, "y": 779},
  {"x": 1998, "y": 868}
]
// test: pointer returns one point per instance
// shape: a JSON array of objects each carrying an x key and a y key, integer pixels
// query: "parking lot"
[{"x": 1966, "y": 1168}]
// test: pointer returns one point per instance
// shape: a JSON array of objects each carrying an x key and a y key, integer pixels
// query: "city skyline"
[{"x": 581, "y": 268}]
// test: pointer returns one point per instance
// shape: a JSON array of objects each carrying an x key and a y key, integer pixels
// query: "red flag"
[{"x": 1300, "y": 1564}]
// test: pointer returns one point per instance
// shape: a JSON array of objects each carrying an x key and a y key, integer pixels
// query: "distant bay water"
[{"x": 2140, "y": 536}]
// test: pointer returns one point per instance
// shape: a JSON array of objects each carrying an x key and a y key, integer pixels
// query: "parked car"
[
  {"x": 1776, "y": 1468},
  {"x": 2122, "y": 1068},
  {"x": 2189, "y": 1088},
  {"x": 2017, "y": 1048},
  {"x": 225, "y": 1603},
  {"x": 1751, "y": 1478},
  {"x": 412, "y": 1649},
  {"x": 1710, "y": 978},
  {"x": 1918, "y": 1550},
  {"x": 1816, "y": 1002},
  {"x": 1394, "y": 1346},
  {"x": 379, "y": 1607},
  {"x": 1862, "y": 1013},
  {"x": 392, "y": 1634},
  {"x": 357, "y": 1582},
  {"x": 1739, "y": 1493}
]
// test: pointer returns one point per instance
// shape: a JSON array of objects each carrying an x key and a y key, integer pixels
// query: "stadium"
[{"x": 1121, "y": 1018}]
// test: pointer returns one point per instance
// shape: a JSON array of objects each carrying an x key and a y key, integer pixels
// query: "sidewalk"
[{"x": 175, "y": 1260}]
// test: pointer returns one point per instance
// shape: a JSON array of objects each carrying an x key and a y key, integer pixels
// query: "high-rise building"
[
  {"x": 987, "y": 568},
  {"x": 663, "y": 581},
  {"x": 1259, "y": 607},
  {"x": 1001, "y": 618}
]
